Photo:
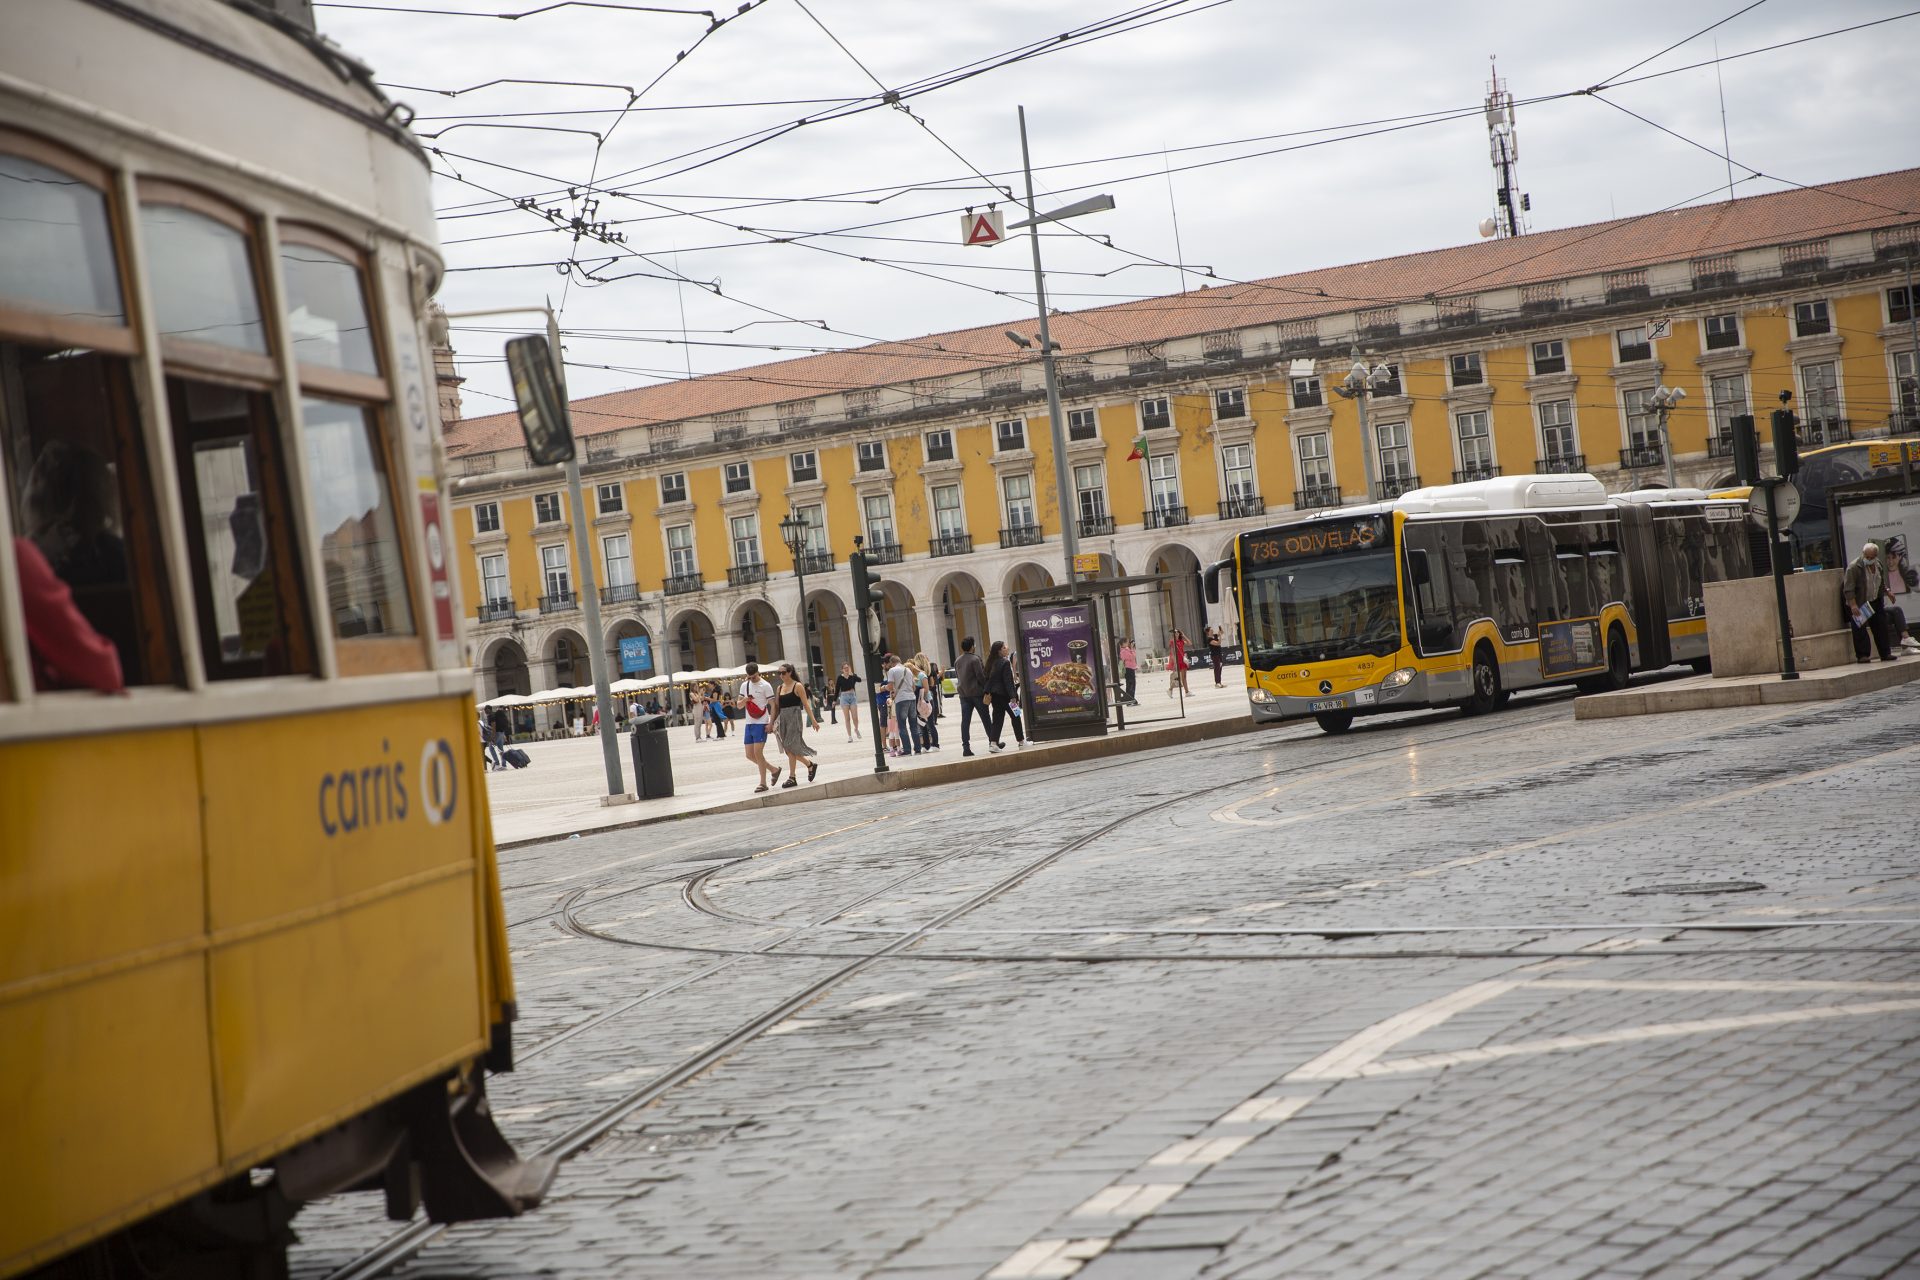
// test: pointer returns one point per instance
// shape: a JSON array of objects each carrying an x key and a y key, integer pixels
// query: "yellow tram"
[{"x": 251, "y": 943}]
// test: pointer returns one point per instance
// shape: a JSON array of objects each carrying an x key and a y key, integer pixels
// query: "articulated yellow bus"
[
  {"x": 1460, "y": 594},
  {"x": 252, "y": 949}
]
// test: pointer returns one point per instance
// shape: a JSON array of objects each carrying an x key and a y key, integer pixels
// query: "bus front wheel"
[
  {"x": 1486, "y": 683},
  {"x": 1334, "y": 721},
  {"x": 1619, "y": 667}
]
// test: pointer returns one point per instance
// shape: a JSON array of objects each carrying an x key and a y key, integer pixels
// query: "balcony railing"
[
  {"x": 1095, "y": 526},
  {"x": 682, "y": 583},
  {"x": 815, "y": 562},
  {"x": 559, "y": 602},
  {"x": 1231, "y": 409},
  {"x": 1313, "y": 497},
  {"x": 1021, "y": 535},
  {"x": 1818, "y": 431},
  {"x": 740, "y": 575},
  {"x": 1903, "y": 423},
  {"x": 496, "y": 611},
  {"x": 1390, "y": 487},
  {"x": 1641, "y": 456},
  {"x": 1478, "y": 471},
  {"x": 619, "y": 594},
  {"x": 1561, "y": 464},
  {"x": 1720, "y": 446},
  {"x": 1155, "y": 421},
  {"x": 1243, "y": 506},
  {"x": 951, "y": 544},
  {"x": 1168, "y": 515},
  {"x": 883, "y": 553}
]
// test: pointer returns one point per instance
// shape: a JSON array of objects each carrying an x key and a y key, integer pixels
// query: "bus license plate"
[{"x": 1330, "y": 704}]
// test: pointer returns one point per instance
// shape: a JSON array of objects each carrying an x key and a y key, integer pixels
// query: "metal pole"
[
  {"x": 1366, "y": 435},
  {"x": 800, "y": 572},
  {"x": 1773, "y": 485},
  {"x": 1666, "y": 445},
  {"x": 590, "y": 592},
  {"x": 1913, "y": 331},
  {"x": 659, "y": 648},
  {"x": 1063, "y": 493}
]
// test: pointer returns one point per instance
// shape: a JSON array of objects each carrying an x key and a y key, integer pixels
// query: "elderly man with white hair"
[{"x": 1865, "y": 594}]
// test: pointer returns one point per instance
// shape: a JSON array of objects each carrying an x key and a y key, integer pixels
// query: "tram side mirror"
[
  {"x": 1417, "y": 567},
  {"x": 543, "y": 414},
  {"x": 1211, "y": 578}
]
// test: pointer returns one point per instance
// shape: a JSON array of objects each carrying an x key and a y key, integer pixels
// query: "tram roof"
[{"x": 1558, "y": 491}]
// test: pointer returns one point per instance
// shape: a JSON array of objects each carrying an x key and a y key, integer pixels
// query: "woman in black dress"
[
  {"x": 999, "y": 692},
  {"x": 793, "y": 711}
]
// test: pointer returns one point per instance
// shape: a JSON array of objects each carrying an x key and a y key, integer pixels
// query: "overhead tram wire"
[
  {"x": 514, "y": 17},
  {"x": 1688, "y": 40}
]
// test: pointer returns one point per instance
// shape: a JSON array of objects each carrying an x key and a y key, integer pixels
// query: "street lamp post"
[
  {"x": 1665, "y": 400},
  {"x": 617, "y": 792},
  {"x": 794, "y": 531},
  {"x": 1056, "y": 420},
  {"x": 1358, "y": 386}
]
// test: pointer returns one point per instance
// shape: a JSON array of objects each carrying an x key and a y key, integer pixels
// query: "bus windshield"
[{"x": 1311, "y": 610}]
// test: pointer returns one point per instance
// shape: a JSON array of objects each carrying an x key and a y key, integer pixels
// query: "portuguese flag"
[{"x": 1139, "y": 448}]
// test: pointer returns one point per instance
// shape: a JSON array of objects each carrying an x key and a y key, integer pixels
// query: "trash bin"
[{"x": 652, "y": 766}]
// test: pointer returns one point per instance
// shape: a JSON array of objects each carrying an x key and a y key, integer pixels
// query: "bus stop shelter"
[{"x": 1067, "y": 647}]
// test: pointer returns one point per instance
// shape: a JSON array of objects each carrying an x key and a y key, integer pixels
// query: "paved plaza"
[{"x": 1512, "y": 996}]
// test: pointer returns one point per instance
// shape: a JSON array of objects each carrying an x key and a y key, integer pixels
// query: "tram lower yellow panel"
[
  {"x": 99, "y": 850},
  {"x": 109, "y": 1102},
  {"x": 317, "y": 1021}
]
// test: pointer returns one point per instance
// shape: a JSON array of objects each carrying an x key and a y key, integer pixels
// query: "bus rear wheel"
[
  {"x": 1486, "y": 694},
  {"x": 1334, "y": 721}
]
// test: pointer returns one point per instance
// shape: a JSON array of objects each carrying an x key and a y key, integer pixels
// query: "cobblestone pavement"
[{"x": 1508, "y": 996}]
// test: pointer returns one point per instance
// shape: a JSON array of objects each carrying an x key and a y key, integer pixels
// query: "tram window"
[
  {"x": 353, "y": 520},
  {"x": 71, "y": 449},
  {"x": 1682, "y": 557},
  {"x": 1473, "y": 595},
  {"x": 56, "y": 251},
  {"x": 246, "y": 573},
  {"x": 1428, "y": 582},
  {"x": 1730, "y": 549},
  {"x": 1571, "y": 572},
  {"x": 202, "y": 270},
  {"x": 326, "y": 309}
]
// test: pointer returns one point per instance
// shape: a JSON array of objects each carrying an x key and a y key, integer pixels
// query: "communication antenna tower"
[{"x": 1510, "y": 204}]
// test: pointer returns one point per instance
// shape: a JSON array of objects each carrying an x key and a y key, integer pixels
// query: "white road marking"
[
  {"x": 1685, "y": 984},
  {"x": 1347, "y": 1059},
  {"x": 1660, "y": 1030},
  {"x": 1049, "y": 1258},
  {"x": 794, "y": 1024},
  {"x": 1200, "y": 1150},
  {"x": 1129, "y": 1201},
  {"x": 1267, "y": 1110}
]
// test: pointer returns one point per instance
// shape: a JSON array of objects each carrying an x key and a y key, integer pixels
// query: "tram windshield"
[{"x": 1319, "y": 591}]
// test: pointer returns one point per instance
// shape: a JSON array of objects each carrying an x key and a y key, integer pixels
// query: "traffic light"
[
  {"x": 1786, "y": 442},
  {"x": 867, "y": 602},
  {"x": 1746, "y": 450}
]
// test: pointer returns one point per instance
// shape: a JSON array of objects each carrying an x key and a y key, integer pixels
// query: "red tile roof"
[{"x": 1857, "y": 204}]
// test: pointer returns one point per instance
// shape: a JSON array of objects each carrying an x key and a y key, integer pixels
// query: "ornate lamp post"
[{"x": 793, "y": 530}]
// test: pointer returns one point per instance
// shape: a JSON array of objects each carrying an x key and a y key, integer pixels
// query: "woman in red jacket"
[{"x": 67, "y": 652}]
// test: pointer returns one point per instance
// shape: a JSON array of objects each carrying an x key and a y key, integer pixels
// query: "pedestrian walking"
[
  {"x": 794, "y": 710},
  {"x": 721, "y": 708},
  {"x": 970, "y": 685},
  {"x": 999, "y": 693},
  {"x": 1130, "y": 668},
  {"x": 901, "y": 693},
  {"x": 1865, "y": 594},
  {"x": 1216, "y": 653},
  {"x": 926, "y": 695},
  {"x": 697, "y": 709},
  {"x": 1177, "y": 666},
  {"x": 756, "y": 699},
  {"x": 844, "y": 687}
]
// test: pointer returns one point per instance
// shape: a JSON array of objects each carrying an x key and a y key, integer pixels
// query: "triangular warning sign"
[{"x": 983, "y": 229}]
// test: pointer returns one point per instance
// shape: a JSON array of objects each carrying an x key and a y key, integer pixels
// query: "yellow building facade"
[{"x": 949, "y": 479}]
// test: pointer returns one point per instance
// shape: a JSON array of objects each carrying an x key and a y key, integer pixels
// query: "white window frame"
[
  {"x": 1478, "y": 365},
  {"x": 1485, "y": 434},
  {"x": 1312, "y": 386},
  {"x": 948, "y": 521},
  {"x": 1400, "y": 431},
  {"x": 1835, "y": 408},
  {"x": 870, "y": 456},
  {"x": 939, "y": 444},
  {"x": 619, "y": 492},
  {"x": 548, "y": 568},
  {"x": 1825, "y": 309},
  {"x": 1005, "y": 441},
  {"x": 1707, "y": 334},
  {"x": 736, "y": 541},
  {"x": 1020, "y": 512},
  {"x": 813, "y": 539},
  {"x": 608, "y": 560},
  {"x": 665, "y": 498},
  {"x": 1163, "y": 490},
  {"x": 558, "y": 508},
  {"x": 1090, "y": 500},
  {"x": 1089, "y": 417},
  {"x": 487, "y": 580},
  {"x": 486, "y": 526},
  {"x": 811, "y": 465},
  {"x": 1556, "y": 349},
  {"x": 868, "y": 519},
  {"x": 1164, "y": 411},
  {"x": 1635, "y": 404},
  {"x": 1229, "y": 402},
  {"x": 682, "y": 562},
  {"x": 1316, "y": 447},
  {"x": 1541, "y": 426},
  {"x": 1723, "y": 412},
  {"x": 1228, "y": 487},
  {"x": 737, "y": 477},
  {"x": 1620, "y": 347}
]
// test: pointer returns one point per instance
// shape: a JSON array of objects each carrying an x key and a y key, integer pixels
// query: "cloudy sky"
[{"x": 1242, "y": 117}]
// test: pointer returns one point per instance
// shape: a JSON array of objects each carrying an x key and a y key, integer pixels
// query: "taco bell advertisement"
[{"x": 1057, "y": 647}]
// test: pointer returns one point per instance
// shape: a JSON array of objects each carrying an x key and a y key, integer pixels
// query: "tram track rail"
[{"x": 905, "y": 943}]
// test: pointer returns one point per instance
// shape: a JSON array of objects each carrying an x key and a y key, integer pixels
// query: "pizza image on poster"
[{"x": 1056, "y": 650}]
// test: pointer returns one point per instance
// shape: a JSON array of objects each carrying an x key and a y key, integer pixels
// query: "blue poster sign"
[{"x": 636, "y": 654}]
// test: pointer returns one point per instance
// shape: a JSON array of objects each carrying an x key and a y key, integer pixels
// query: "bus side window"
[
  {"x": 71, "y": 449},
  {"x": 1509, "y": 568},
  {"x": 1427, "y": 580},
  {"x": 1571, "y": 575},
  {"x": 1609, "y": 573}
]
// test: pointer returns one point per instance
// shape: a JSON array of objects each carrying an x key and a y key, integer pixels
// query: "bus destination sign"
[{"x": 1312, "y": 540}]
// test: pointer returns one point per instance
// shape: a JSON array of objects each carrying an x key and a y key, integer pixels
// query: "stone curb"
[
  {"x": 1705, "y": 693},
  {"x": 1012, "y": 760}
]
